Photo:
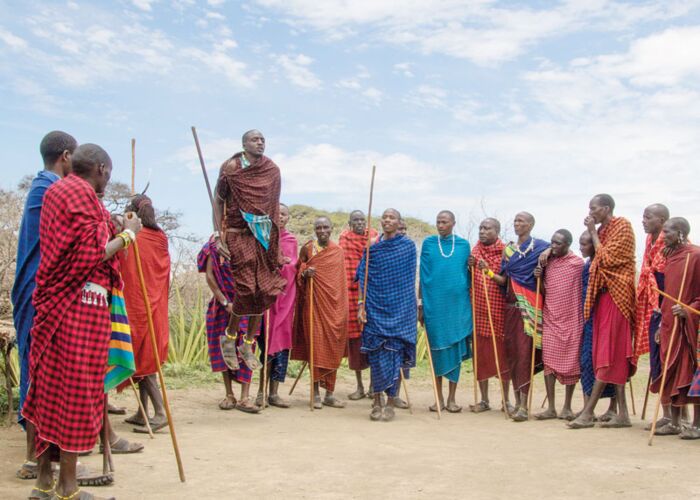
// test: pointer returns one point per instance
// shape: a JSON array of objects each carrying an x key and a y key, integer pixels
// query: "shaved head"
[
  {"x": 448, "y": 213},
  {"x": 494, "y": 222},
  {"x": 88, "y": 156},
  {"x": 354, "y": 213},
  {"x": 249, "y": 133},
  {"x": 322, "y": 219},
  {"x": 659, "y": 210},
  {"x": 605, "y": 200},
  {"x": 530, "y": 218},
  {"x": 681, "y": 224},
  {"x": 394, "y": 211}
]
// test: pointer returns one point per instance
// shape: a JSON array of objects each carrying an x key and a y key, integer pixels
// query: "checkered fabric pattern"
[
  {"x": 353, "y": 246},
  {"x": 492, "y": 254},
  {"x": 647, "y": 300},
  {"x": 71, "y": 333},
  {"x": 613, "y": 268}
]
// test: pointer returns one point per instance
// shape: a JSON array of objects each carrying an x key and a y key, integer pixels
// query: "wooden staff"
[
  {"x": 107, "y": 465},
  {"x": 405, "y": 391},
  {"x": 267, "y": 348},
  {"x": 493, "y": 341},
  {"x": 668, "y": 354},
  {"x": 154, "y": 343},
  {"x": 142, "y": 410},
  {"x": 534, "y": 348},
  {"x": 646, "y": 397},
  {"x": 301, "y": 371},
  {"x": 311, "y": 342},
  {"x": 677, "y": 301},
  {"x": 369, "y": 233},
  {"x": 432, "y": 375},
  {"x": 634, "y": 410},
  {"x": 475, "y": 358},
  {"x": 215, "y": 209}
]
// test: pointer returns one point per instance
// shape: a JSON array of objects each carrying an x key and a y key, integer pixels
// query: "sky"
[{"x": 477, "y": 106}]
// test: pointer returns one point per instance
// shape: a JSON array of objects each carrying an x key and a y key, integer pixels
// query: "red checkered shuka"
[
  {"x": 647, "y": 300},
  {"x": 492, "y": 254},
  {"x": 71, "y": 331},
  {"x": 353, "y": 246}
]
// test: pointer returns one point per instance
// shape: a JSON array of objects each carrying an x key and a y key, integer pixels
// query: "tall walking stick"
[
  {"x": 668, "y": 354},
  {"x": 142, "y": 410},
  {"x": 367, "y": 245},
  {"x": 301, "y": 371},
  {"x": 311, "y": 343},
  {"x": 493, "y": 341},
  {"x": 475, "y": 366},
  {"x": 405, "y": 391},
  {"x": 634, "y": 410},
  {"x": 267, "y": 361},
  {"x": 432, "y": 376},
  {"x": 107, "y": 465},
  {"x": 534, "y": 348},
  {"x": 215, "y": 209},
  {"x": 646, "y": 397},
  {"x": 154, "y": 344}
]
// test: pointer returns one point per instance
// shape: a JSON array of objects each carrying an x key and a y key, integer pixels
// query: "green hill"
[{"x": 301, "y": 223}]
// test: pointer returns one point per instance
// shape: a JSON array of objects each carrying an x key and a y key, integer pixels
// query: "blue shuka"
[
  {"x": 389, "y": 336},
  {"x": 25, "y": 273},
  {"x": 447, "y": 309}
]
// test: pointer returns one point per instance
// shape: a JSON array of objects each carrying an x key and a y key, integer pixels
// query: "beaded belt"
[{"x": 94, "y": 294}]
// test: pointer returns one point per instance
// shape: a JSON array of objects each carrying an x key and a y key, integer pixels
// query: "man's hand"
[
  {"x": 361, "y": 315},
  {"x": 132, "y": 221},
  {"x": 679, "y": 311},
  {"x": 221, "y": 247},
  {"x": 286, "y": 260},
  {"x": 472, "y": 261},
  {"x": 537, "y": 272},
  {"x": 544, "y": 257},
  {"x": 589, "y": 222},
  {"x": 229, "y": 308},
  {"x": 309, "y": 272},
  {"x": 483, "y": 265}
]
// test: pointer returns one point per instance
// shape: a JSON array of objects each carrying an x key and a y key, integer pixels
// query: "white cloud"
[
  {"x": 296, "y": 69},
  {"x": 144, "y": 5},
  {"x": 11, "y": 40},
  {"x": 216, "y": 3},
  {"x": 216, "y": 15},
  {"x": 404, "y": 69},
  {"x": 373, "y": 94}
]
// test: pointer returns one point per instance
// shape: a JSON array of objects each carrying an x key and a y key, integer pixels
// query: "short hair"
[
  {"x": 528, "y": 215},
  {"x": 143, "y": 206},
  {"x": 448, "y": 212},
  {"x": 323, "y": 217},
  {"x": 566, "y": 234},
  {"x": 398, "y": 214},
  {"x": 284, "y": 205},
  {"x": 87, "y": 156},
  {"x": 54, "y": 144},
  {"x": 606, "y": 200},
  {"x": 250, "y": 132},
  {"x": 661, "y": 210},
  {"x": 355, "y": 212},
  {"x": 680, "y": 223},
  {"x": 495, "y": 221}
]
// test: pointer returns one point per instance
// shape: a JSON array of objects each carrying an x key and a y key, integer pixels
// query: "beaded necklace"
[
  {"x": 451, "y": 251},
  {"x": 522, "y": 253}
]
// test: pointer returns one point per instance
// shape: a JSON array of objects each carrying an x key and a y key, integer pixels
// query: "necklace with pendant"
[{"x": 523, "y": 253}]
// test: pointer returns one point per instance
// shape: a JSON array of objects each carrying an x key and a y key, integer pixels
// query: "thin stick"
[
  {"x": 311, "y": 343},
  {"x": 543, "y": 402},
  {"x": 107, "y": 466},
  {"x": 156, "y": 356},
  {"x": 265, "y": 366},
  {"x": 634, "y": 410},
  {"x": 475, "y": 366},
  {"x": 668, "y": 355},
  {"x": 215, "y": 209},
  {"x": 432, "y": 374},
  {"x": 495, "y": 345},
  {"x": 646, "y": 397},
  {"x": 142, "y": 410},
  {"x": 677, "y": 301},
  {"x": 303, "y": 367},
  {"x": 534, "y": 348},
  {"x": 405, "y": 391},
  {"x": 133, "y": 166},
  {"x": 369, "y": 235}
]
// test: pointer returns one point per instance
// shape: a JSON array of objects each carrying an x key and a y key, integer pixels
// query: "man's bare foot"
[
  {"x": 509, "y": 409},
  {"x": 388, "y": 414},
  {"x": 228, "y": 352},
  {"x": 115, "y": 410},
  {"x": 433, "y": 407},
  {"x": 546, "y": 415},
  {"x": 228, "y": 403},
  {"x": 249, "y": 358},
  {"x": 480, "y": 407},
  {"x": 318, "y": 405},
  {"x": 333, "y": 402},
  {"x": 357, "y": 395},
  {"x": 567, "y": 415},
  {"x": 617, "y": 422},
  {"x": 583, "y": 421},
  {"x": 276, "y": 400},
  {"x": 520, "y": 415},
  {"x": 376, "y": 413},
  {"x": 135, "y": 419},
  {"x": 607, "y": 416},
  {"x": 246, "y": 406},
  {"x": 453, "y": 407}
]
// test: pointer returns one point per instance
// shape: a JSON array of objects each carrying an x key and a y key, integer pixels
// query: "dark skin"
[
  {"x": 98, "y": 177},
  {"x": 559, "y": 248},
  {"x": 357, "y": 224},
  {"x": 445, "y": 224},
  {"x": 488, "y": 235},
  {"x": 391, "y": 221},
  {"x": 253, "y": 149},
  {"x": 599, "y": 213},
  {"x": 522, "y": 225}
]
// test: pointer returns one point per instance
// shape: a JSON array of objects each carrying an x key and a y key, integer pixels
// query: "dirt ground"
[{"x": 335, "y": 453}]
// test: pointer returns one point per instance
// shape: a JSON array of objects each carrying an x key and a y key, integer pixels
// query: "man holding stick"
[
  {"x": 489, "y": 249},
  {"x": 389, "y": 312},
  {"x": 444, "y": 305},
  {"x": 682, "y": 280},
  {"x": 611, "y": 293},
  {"x": 323, "y": 289},
  {"x": 247, "y": 193},
  {"x": 72, "y": 327}
]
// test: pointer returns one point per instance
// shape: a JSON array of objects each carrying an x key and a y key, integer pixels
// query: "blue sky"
[{"x": 475, "y": 106}]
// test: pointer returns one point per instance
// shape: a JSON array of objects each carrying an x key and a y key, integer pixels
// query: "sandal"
[
  {"x": 575, "y": 424},
  {"x": 668, "y": 430},
  {"x": 228, "y": 352},
  {"x": 690, "y": 433},
  {"x": 122, "y": 447},
  {"x": 388, "y": 414},
  {"x": 276, "y": 400},
  {"x": 433, "y": 407},
  {"x": 249, "y": 358},
  {"x": 453, "y": 408},
  {"x": 259, "y": 401},
  {"x": 135, "y": 420},
  {"x": 357, "y": 395},
  {"x": 246, "y": 407},
  {"x": 86, "y": 477},
  {"x": 79, "y": 495},
  {"x": 520, "y": 415},
  {"x": 400, "y": 403},
  {"x": 376, "y": 413},
  {"x": 155, "y": 427},
  {"x": 333, "y": 402},
  {"x": 546, "y": 415},
  {"x": 616, "y": 423},
  {"x": 510, "y": 409},
  {"x": 228, "y": 403},
  {"x": 115, "y": 410},
  {"x": 39, "y": 494},
  {"x": 659, "y": 423},
  {"x": 317, "y": 403},
  {"x": 480, "y": 407}
]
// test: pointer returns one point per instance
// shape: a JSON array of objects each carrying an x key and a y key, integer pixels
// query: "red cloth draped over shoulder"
[
  {"x": 614, "y": 268},
  {"x": 492, "y": 254},
  {"x": 330, "y": 308},
  {"x": 155, "y": 262},
  {"x": 353, "y": 246},
  {"x": 647, "y": 300},
  {"x": 682, "y": 363}
]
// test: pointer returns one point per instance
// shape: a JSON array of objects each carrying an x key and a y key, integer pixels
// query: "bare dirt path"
[{"x": 342, "y": 454}]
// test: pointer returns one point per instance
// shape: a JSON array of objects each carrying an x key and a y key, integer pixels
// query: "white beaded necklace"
[{"x": 453, "y": 247}]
